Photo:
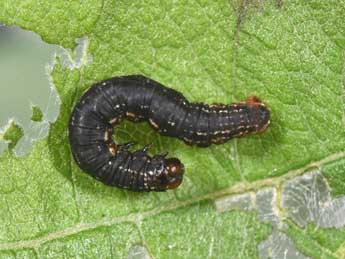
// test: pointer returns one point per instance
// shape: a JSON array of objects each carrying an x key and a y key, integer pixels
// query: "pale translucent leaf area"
[
  {"x": 289, "y": 53},
  {"x": 279, "y": 246},
  {"x": 266, "y": 206},
  {"x": 240, "y": 202},
  {"x": 25, "y": 64},
  {"x": 308, "y": 200},
  {"x": 138, "y": 252},
  {"x": 305, "y": 199},
  {"x": 3, "y": 146}
]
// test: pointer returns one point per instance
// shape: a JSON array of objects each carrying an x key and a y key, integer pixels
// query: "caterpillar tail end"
[{"x": 262, "y": 113}]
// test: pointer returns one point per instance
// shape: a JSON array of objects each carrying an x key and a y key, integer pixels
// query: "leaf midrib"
[{"x": 238, "y": 188}]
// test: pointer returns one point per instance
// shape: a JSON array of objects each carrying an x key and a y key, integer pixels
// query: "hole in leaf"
[{"x": 25, "y": 66}]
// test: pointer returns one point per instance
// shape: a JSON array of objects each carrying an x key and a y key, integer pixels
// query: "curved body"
[{"x": 138, "y": 98}]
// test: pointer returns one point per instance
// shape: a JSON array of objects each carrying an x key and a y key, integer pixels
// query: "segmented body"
[{"x": 138, "y": 98}]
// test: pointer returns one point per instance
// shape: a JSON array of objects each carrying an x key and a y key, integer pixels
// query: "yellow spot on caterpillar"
[
  {"x": 114, "y": 121},
  {"x": 106, "y": 135},
  {"x": 130, "y": 115},
  {"x": 112, "y": 149},
  {"x": 155, "y": 125}
]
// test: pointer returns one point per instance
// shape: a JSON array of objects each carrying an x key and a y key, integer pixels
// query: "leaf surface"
[{"x": 289, "y": 53}]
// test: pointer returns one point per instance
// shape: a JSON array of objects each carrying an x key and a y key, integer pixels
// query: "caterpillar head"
[
  {"x": 171, "y": 172},
  {"x": 175, "y": 170}
]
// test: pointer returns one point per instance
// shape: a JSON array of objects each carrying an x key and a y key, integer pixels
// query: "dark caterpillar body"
[{"x": 138, "y": 98}]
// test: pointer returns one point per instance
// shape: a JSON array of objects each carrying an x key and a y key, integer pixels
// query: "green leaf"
[
  {"x": 13, "y": 134},
  {"x": 334, "y": 172},
  {"x": 37, "y": 114},
  {"x": 289, "y": 53},
  {"x": 319, "y": 243}
]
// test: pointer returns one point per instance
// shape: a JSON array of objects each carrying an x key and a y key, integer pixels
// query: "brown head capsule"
[{"x": 175, "y": 171}]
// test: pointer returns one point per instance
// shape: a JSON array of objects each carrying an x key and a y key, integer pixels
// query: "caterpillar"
[{"x": 138, "y": 98}]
